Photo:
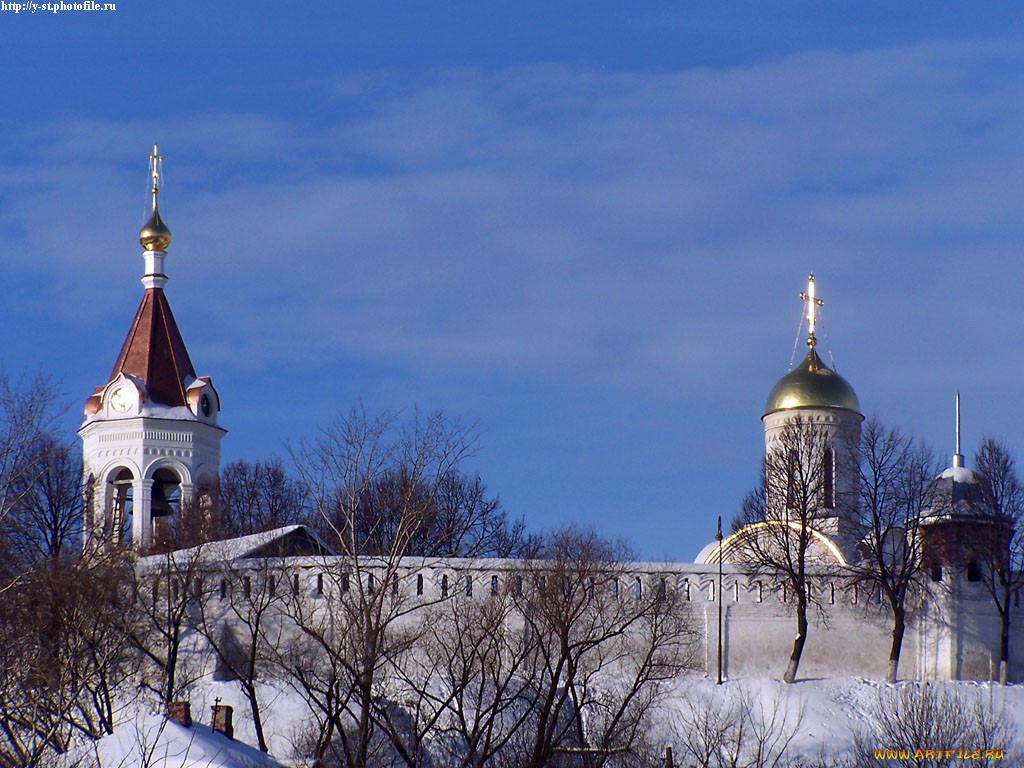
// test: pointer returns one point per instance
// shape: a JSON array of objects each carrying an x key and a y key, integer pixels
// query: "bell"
[{"x": 161, "y": 505}]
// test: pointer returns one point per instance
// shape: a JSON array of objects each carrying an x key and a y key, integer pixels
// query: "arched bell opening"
[
  {"x": 165, "y": 504},
  {"x": 120, "y": 505}
]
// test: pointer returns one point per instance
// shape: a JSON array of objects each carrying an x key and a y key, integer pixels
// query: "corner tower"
[
  {"x": 150, "y": 439},
  {"x": 958, "y": 530},
  {"x": 815, "y": 396}
]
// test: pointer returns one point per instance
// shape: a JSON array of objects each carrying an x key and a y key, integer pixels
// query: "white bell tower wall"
[{"x": 841, "y": 428}]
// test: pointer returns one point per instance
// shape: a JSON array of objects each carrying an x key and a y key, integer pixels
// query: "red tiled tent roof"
[{"x": 154, "y": 352}]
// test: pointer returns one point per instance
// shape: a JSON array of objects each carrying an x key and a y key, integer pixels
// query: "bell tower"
[{"x": 150, "y": 439}]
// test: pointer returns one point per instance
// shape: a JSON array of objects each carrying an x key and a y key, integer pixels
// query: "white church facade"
[{"x": 151, "y": 441}]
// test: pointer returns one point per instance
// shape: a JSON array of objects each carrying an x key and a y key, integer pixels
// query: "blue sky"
[{"x": 582, "y": 226}]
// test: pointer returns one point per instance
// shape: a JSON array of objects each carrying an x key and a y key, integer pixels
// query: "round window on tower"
[{"x": 205, "y": 406}]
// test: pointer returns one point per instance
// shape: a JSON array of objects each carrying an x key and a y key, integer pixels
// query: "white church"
[{"x": 151, "y": 441}]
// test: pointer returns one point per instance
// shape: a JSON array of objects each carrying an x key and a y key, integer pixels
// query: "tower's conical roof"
[{"x": 154, "y": 352}]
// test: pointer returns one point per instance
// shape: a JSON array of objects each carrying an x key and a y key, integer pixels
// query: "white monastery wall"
[{"x": 849, "y": 634}]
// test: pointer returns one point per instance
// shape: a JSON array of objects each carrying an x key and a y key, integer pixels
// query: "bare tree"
[
  {"x": 719, "y": 729},
  {"x": 935, "y": 725},
  {"x": 167, "y": 589},
  {"x": 325, "y": 684},
  {"x": 257, "y": 496},
  {"x": 341, "y": 657},
  {"x": 45, "y": 520},
  {"x": 456, "y": 517},
  {"x": 60, "y": 665},
  {"x": 27, "y": 413},
  {"x": 1001, "y": 547},
  {"x": 785, "y": 513},
  {"x": 473, "y": 680},
  {"x": 894, "y": 474},
  {"x": 241, "y": 618},
  {"x": 606, "y": 639},
  {"x": 376, "y": 485}
]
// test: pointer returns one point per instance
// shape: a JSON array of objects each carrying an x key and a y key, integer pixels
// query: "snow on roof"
[
  {"x": 959, "y": 474},
  {"x": 955, "y": 495},
  {"x": 176, "y": 412},
  {"x": 239, "y": 547},
  {"x": 153, "y": 410},
  {"x": 150, "y": 739}
]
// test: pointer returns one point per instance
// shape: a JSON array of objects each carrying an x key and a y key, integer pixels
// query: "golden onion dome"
[
  {"x": 155, "y": 236},
  {"x": 812, "y": 384}
]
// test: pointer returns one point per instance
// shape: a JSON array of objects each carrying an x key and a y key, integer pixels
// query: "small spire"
[
  {"x": 958, "y": 459},
  {"x": 155, "y": 236},
  {"x": 812, "y": 312}
]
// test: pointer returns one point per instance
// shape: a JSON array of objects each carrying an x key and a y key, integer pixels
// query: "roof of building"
[
  {"x": 146, "y": 737},
  {"x": 955, "y": 495},
  {"x": 812, "y": 384},
  {"x": 154, "y": 352},
  {"x": 287, "y": 541}
]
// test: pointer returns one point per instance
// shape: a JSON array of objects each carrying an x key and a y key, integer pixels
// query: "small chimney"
[
  {"x": 220, "y": 719},
  {"x": 180, "y": 712}
]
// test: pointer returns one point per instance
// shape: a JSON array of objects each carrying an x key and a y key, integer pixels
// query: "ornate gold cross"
[
  {"x": 155, "y": 168},
  {"x": 812, "y": 302}
]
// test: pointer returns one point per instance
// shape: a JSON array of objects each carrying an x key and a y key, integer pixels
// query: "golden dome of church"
[
  {"x": 812, "y": 384},
  {"x": 155, "y": 235}
]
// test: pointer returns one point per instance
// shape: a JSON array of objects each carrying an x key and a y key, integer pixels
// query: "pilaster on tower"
[{"x": 150, "y": 440}]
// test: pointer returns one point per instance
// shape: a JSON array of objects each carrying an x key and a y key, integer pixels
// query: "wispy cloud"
[
  {"x": 628, "y": 231},
  {"x": 561, "y": 210}
]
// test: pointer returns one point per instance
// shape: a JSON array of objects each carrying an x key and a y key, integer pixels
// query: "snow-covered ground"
[
  {"x": 824, "y": 716},
  {"x": 815, "y": 722}
]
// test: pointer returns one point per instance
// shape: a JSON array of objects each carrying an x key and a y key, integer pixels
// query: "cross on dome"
[
  {"x": 812, "y": 303},
  {"x": 156, "y": 167}
]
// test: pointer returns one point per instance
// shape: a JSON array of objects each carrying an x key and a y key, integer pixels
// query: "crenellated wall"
[{"x": 952, "y": 630}]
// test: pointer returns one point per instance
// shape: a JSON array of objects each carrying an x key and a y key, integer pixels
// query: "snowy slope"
[{"x": 818, "y": 717}]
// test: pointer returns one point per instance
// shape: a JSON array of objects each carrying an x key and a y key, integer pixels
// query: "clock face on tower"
[
  {"x": 122, "y": 399},
  {"x": 204, "y": 405}
]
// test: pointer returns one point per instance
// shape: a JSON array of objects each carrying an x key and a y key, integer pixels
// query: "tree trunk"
[
  {"x": 323, "y": 744},
  {"x": 800, "y": 639},
  {"x": 249, "y": 686},
  {"x": 257, "y": 721},
  {"x": 364, "y": 723},
  {"x": 899, "y": 625},
  {"x": 172, "y": 665},
  {"x": 1004, "y": 648}
]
